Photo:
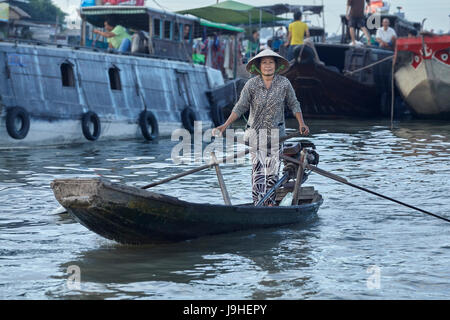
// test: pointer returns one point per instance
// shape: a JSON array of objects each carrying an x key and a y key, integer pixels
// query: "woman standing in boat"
[{"x": 266, "y": 95}]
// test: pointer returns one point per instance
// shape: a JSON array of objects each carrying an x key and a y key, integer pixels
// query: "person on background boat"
[
  {"x": 118, "y": 37},
  {"x": 296, "y": 34},
  {"x": 386, "y": 36},
  {"x": 265, "y": 96},
  {"x": 278, "y": 39},
  {"x": 356, "y": 19},
  {"x": 253, "y": 45}
]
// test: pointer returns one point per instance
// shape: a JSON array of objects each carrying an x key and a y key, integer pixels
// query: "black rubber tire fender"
[
  {"x": 217, "y": 115},
  {"x": 12, "y": 115},
  {"x": 188, "y": 117},
  {"x": 86, "y": 119},
  {"x": 147, "y": 119}
]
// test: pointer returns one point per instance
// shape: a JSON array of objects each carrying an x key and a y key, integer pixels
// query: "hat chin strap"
[
  {"x": 255, "y": 68},
  {"x": 280, "y": 68}
]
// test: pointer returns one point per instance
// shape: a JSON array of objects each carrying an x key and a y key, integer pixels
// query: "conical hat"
[{"x": 282, "y": 63}]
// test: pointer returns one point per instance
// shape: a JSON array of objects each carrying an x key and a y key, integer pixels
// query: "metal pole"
[
  {"x": 236, "y": 43},
  {"x": 323, "y": 18},
  {"x": 260, "y": 19},
  {"x": 56, "y": 28},
  {"x": 83, "y": 33}
]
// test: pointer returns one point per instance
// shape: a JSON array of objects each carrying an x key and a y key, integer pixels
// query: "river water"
[{"x": 360, "y": 247}]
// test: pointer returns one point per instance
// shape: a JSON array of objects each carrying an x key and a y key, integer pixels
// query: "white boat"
[{"x": 422, "y": 74}]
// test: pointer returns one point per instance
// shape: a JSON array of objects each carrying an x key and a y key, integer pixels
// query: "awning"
[
  {"x": 233, "y": 12},
  {"x": 281, "y": 8},
  {"x": 129, "y": 16},
  {"x": 221, "y": 26}
]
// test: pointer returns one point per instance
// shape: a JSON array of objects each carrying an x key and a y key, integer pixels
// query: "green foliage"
[{"x": 43, "y": 11}]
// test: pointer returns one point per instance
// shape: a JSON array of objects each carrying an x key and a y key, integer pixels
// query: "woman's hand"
[
  {"x": 219, "y": 130},
  {"x": 303, "y": 128}
]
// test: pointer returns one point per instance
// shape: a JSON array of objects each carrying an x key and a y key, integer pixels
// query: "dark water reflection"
[{"x": 328, "y": 259}]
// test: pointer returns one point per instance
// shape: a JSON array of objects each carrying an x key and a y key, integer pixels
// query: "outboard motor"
[{"x": 294, "y": 150}]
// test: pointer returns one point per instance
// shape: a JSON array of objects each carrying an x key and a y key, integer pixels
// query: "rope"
[{"x": 368, "y": 66}]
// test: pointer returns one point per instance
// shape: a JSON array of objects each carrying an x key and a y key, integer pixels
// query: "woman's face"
[{"x": 268, "y": 66}]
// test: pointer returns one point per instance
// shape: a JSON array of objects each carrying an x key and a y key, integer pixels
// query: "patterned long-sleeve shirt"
[{"x": 267, "y": 105}]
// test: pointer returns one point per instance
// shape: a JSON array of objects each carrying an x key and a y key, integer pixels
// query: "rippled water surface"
[{"x": 356, "y": 237}]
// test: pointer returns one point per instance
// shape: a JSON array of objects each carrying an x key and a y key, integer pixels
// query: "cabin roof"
[
  {"x": 282, "y": 8},
  {"x": 129, "y": 16},
  {"x": 138, "y": 18},
  {"x": 233, "y": 12}
]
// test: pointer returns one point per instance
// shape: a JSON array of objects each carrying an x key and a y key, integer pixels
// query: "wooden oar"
[
  {"x": 206, "y": 166},
  {"x": 223, "y": 188},
  {"x": 298, "y": 180},
  {"x": 344, "y": 181}
]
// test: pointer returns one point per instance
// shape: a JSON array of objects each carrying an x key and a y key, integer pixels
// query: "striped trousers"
[{"x": 265, "y": 173}]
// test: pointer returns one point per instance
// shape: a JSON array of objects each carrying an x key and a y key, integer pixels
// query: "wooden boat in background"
[
  {"x": 325, "y": 90},
  {"x": 134, "y": 216},
  {"x": 422, "y": 74},
  {"x": 348, "y": 81}
]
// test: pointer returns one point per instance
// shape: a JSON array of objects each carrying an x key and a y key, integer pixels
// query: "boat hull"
[
  {"x": 135, "y": 216},
  {"x": 55, "y": 87},
  {"x": 325, "y": 90},
  {"x": 64, "y": 132},
  {"x": 424, "y": 78}
]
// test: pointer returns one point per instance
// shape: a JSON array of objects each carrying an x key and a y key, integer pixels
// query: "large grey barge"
[{"x": 52, "y": 94}]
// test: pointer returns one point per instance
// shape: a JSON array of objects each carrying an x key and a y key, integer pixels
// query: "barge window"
[
  {"x": 187, "y": 32},
  {"x": 67, "y": 75},
  {"x": 114, "y": 78},
  {"x": 167, "y": 30},
  {"x": 157, "y": 28},
  {"x": 176, "y": 31}
]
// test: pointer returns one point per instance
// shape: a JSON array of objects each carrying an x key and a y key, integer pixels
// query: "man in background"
[
  {"x": 356, "y": 20},
  {"x": 386, "y": 36},
  {"x": 118, "y": 37},
  {"x": 296, "y": 34}
]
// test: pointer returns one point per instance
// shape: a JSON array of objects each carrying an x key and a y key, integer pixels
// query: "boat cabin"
[
  {"x": 397, "y": 22},
  {"x": 168, "y": 35},
  {"x": 160, "y": 34}
]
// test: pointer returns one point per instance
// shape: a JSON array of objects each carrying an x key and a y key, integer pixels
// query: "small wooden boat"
[{"x": 135, "y": 216}]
